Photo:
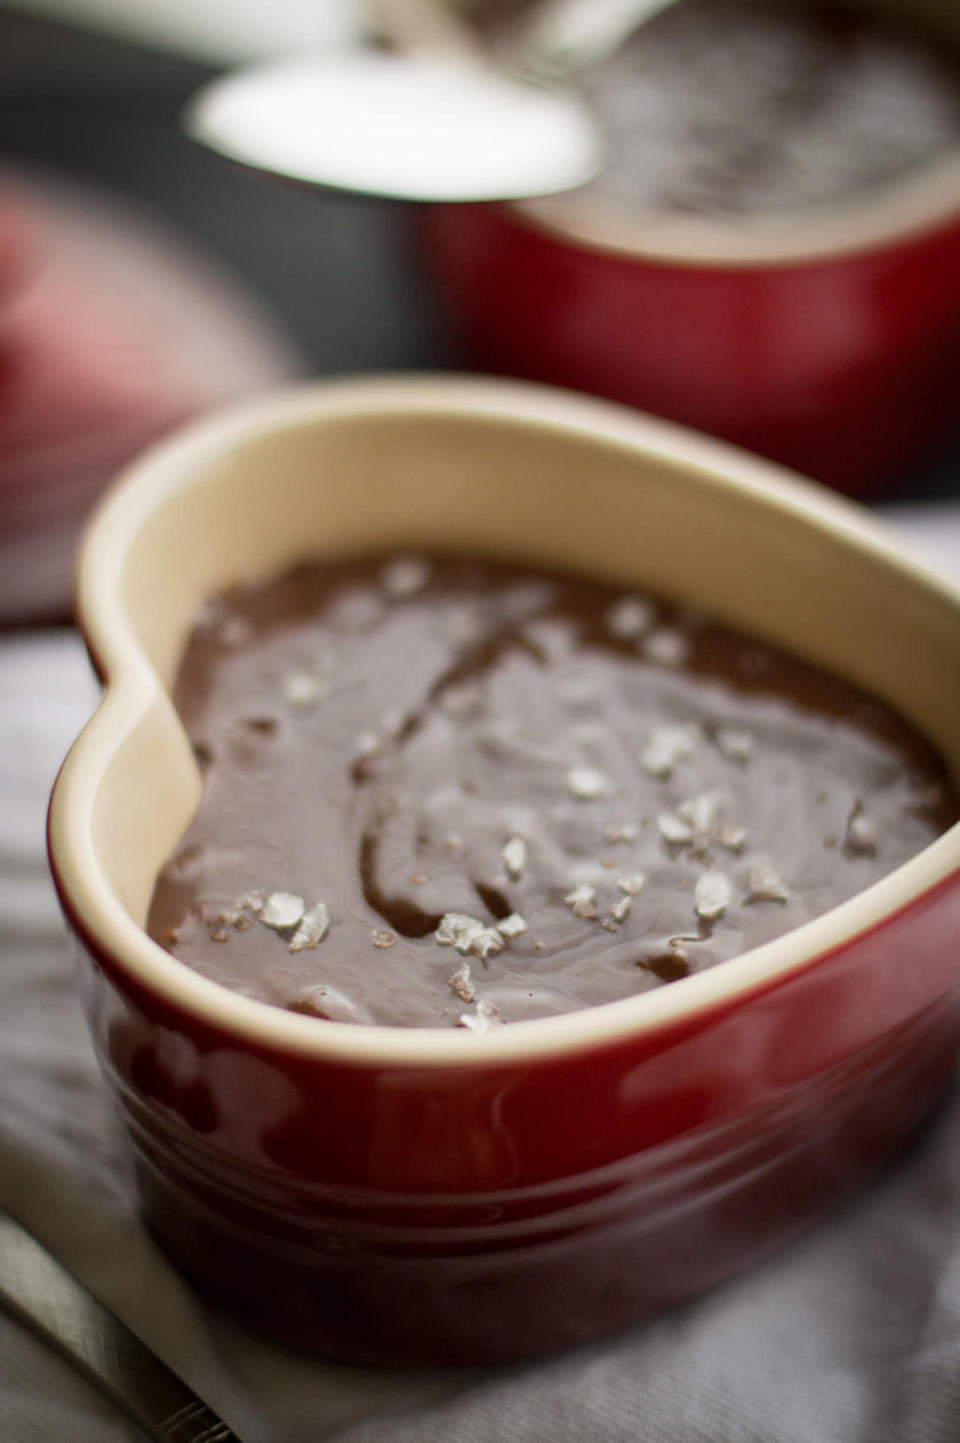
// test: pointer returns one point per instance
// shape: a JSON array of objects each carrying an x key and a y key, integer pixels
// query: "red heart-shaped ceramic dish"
[{"x": 395, "y": 1194}]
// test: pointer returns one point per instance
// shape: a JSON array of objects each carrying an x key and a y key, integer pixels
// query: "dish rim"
[{"x": 919, "y": 202}]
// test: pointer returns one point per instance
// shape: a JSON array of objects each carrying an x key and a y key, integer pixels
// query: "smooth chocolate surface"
[
  {"x": 728, "y": 106},
  {"x": 444, "y": 792}
]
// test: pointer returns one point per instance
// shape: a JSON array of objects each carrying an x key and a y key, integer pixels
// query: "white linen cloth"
[{"x": 850, "y": 1336}]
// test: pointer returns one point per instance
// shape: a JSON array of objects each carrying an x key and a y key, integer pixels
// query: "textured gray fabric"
[{"x": 851, "y": 1336}]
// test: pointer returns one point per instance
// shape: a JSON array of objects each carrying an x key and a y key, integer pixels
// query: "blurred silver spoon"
[{"x": 431, "y": 122}]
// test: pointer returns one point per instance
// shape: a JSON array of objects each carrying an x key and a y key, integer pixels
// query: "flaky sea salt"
[
  {"x": 674, "y": 829},
  {"x": 711, "y": 895},
  {"x": 700, "y": 812},
  {"x": 461, "y": 983},
  {"x": 630, "y": 618},
  {"x": 514, "y": 855},
  {"x": 487, "y": 943},
  {"x": 587, "y": 783},
  {"x": 282, "y": 910},
  {"x": 512, "y": 926},
  {"x": 468, "y": 936},
  {"x": 765, "y": 884},
  {"x": 313, "y": 927},
  {"x": 631, "y": 883},
  {"x": 301, "y": 689},
  {"x": 862, "y": 834},
  {"x": 475, "y": 1022},
  {"x": 485, "y": 1015},
  {"x": 582, "y": 901},
  {"x": 240, "y": 921},
  {"x": 367, "y": 744},
  {"x": 620, "y": 909},
  {"x": 405, "y": 576},
  {"x": 666, "y": 647},
  {"x": 458, "y": 930},
  {"x": 666, "y": 747}
]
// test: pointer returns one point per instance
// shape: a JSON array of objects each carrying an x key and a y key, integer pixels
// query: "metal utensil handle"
[
  {"x": 43, "y": 1295},
  {"x": 427, "y": 27},
  {"x": 568, "y": 35}
]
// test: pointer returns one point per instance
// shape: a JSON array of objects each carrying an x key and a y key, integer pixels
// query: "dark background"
[{"x": 341, "y": 274}]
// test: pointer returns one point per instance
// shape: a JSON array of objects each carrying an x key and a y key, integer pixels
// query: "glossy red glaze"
[
  {"x": 842, "y": 366},
  {"x": 387, "y": 1213}
]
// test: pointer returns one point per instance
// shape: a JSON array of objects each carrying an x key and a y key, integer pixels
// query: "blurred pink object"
[{"x": 112, "y": 332}]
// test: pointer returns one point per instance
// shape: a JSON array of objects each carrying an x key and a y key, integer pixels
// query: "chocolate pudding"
[
  {"x": 729, "y": 107},
  {"x": 455, "y": 793}
]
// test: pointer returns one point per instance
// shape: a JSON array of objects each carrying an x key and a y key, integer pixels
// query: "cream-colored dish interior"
[{"x": 507, "y": 470}]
